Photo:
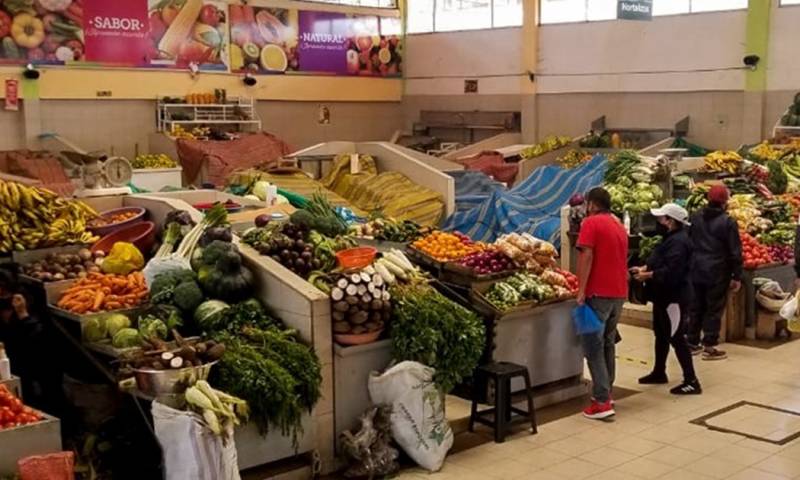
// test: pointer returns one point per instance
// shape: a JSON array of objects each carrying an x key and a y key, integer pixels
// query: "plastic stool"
[{"x": 504, "y": 413}]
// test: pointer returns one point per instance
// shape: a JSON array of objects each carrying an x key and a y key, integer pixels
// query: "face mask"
[{"x": 661, "y": 229}]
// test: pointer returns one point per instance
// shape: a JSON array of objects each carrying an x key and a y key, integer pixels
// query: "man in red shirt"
[{"x": 603, "y": 277}]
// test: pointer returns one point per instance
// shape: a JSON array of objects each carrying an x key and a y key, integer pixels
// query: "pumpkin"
[{"x": 27, "y": 30}]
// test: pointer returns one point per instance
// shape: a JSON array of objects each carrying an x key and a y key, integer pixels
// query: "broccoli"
[
  {"x": 216, "y": 250},
  {"x": 187, "y": 296},
  {"x": 151, "y": 326}
]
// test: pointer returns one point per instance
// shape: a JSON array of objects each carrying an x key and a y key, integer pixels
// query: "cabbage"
[
  {"x": 209, "y": 314},
  {"x": 115, "y": 322},
  {"x": 126, "y": 338},
  {"x": 260, "y": 189},
  {"x": 252, "y": 197},
  {"x": 94, "y": 329}
]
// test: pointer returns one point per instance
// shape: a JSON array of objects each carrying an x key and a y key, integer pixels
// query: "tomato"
[{"x": 16, "y": 405}]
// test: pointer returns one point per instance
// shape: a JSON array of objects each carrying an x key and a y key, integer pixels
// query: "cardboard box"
[{"x": 34, "y": 439}]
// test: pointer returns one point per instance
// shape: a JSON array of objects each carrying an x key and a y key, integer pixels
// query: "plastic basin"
[
  {"x": 113, "y": 227},
  {"x": 142, "y": 235},
  {"x": 358, "y": 257}
]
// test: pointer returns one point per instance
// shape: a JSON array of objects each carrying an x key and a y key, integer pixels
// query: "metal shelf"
[{"x": 210, "y": 114}]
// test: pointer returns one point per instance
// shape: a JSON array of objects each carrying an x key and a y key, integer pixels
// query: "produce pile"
[
  {"x": 160, "y": 160},
  {"x": 764, "y": 152},
  {"x": 64, "y": 266},
  {"x": 389, "y": 229},
  {"x": 573, "y": 158},
  {"x": 111, "y": 219},
  {"x": 32, "y": 217},
  {"x": 595, "y": 140},
  {"x": 431, "y": 329},
  {"x": 722, "y": 161},
  {"x": 792, "y": 116},
  {"x": 446, "y": 246},
  {"x": 220, "y": 412},
  {"x": 527, "y": 251},
  {"x": 361, "y": 303},
  {"x": 98, "y": 292},
  {"x": 13, "y": 413},
  {"x": 628, "y": 181},
  {"x": 487, "y": 262},
  {"x": 647, "y": 246},
  {"x": 520, "y": 288},
  {"x": 754, "y": 254},
  {"x": 550, "y": 143}
]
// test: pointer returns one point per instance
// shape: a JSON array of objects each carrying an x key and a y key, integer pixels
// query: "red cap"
[{"x": 719, "y": 194}]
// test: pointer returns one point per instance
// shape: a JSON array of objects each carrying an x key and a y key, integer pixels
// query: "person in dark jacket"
[
  {"x": 667, "y": 285},
  {"x": 716, "y": 268}
]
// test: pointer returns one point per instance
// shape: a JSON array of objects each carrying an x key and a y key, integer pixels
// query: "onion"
[{"x": 262, "y": 220}]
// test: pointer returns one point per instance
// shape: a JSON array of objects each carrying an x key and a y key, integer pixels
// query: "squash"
[
  {"x": 180, "y": 28},
  {"x": 27, "y": 30}
]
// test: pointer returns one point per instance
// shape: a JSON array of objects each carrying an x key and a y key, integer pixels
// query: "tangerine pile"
[{"x": 446, "y": 247}]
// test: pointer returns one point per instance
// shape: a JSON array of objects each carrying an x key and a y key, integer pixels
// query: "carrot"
[
  {"x": 113, "y": 305},
  {"x": 98, "y": 300}
]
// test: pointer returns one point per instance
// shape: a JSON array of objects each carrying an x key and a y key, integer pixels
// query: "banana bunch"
[
  {"x": 765, "y": 152},
  {"x": 549, "y": 144},
  {"x": 722, "y": 161},
  {"x": 33, "y": 217}
]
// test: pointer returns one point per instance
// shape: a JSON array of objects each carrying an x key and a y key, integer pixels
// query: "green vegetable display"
[
  {"x": 777, "y": 181},
  {"x": 627, "y": 167},
  {"x": 647, "y": 245},
  {"x": 210, "y": 314},
  {"x": 320, "y": 215},
  {"x": 780, "y": 234},
  {"x": 152, "y": 327},
  {"x": 430, "y": 329},
  {"x": 636, "y": 200},
  {"x": 221, "y": 273},
  {"x": 126, "y": 338},
  {"x": 177, "y": 287},
  {"x": 594, "y": 140},
  {"x": 519, "y": 288}
]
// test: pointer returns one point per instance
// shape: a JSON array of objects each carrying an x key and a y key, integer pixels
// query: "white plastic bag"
[
  {"x": 190, "y": 449},
  {"x": 419, "y": 425},
  {"x": 164, "y": 264},
  {"x": 789, "y": 309}
]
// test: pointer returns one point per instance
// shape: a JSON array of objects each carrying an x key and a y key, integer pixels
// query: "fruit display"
[
  {"x": 206, "y": 98},
  {"x": 527, "y": 251},
  {"x": 32, "y": 217},
  {"x": 291, "y": 248},
  {"x": 389, "y": 229},
  {"x": 780, "y": 253},
  {"x": 754, "y": 253},
  {"x": 743, "y": 209},
  {"x": 764, "y": 152},
  {"x": 186, "y": 32},
  {"x": 41, "y": 31},
  {"x": 360, "y": 303},
  {"x": 105, "y": 220},
  {"x": 447, "y": 247},
  {"x": 13, "y": 413},
  {"x": 722, "y": 161},
  {"x": 698, "y": 199},
  {"x": 550, "y": 143},
  {"x": 99, "y": 292},
  {"x": 573, "y": 158},
  {"x": 571, "y": 278},
  {"x": 160, "y": 160},
  {"x": 64, "y": 266},
  {"x": 488, "y": 262}
]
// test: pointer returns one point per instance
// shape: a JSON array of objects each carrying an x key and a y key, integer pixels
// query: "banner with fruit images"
[
  {"x": 279, "y": 40},
  {"x": 129, "y": 33}
]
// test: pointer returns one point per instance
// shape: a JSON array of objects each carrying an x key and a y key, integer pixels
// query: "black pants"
[
  {"x": 662, "y": 327},
  {"x": 706, "y": 312}
]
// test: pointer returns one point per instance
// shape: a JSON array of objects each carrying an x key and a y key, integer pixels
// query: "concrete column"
[
  {"x": 530, "y": 56},
  {"x": 756, "y": 43}
]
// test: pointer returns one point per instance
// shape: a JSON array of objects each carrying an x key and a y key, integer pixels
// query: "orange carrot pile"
[{"x": 99, "y": 292}]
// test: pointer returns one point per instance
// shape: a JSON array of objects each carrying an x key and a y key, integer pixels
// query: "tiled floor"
[{"x": 652, "y": 437}]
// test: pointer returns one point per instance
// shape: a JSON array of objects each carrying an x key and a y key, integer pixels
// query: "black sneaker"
[
  {"x": 696, "y": 349},
  {"x": 687, "y": 388},
  {"x": 654, "y": 379},
  {"x": 712, "y": 353}
]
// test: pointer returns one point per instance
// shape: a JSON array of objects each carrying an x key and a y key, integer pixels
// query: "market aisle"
[{"x": 651, "y": 436}]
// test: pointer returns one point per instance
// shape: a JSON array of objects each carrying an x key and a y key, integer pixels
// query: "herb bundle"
[{"x": 430, "y": 329}]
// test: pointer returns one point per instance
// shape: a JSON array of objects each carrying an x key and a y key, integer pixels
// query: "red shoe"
[{"x": 599, "y": 411}]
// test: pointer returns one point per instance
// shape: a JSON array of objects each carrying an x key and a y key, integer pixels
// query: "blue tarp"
[
  {"x": 533, "y": 206},
  {"x": 472, "y": 188}
]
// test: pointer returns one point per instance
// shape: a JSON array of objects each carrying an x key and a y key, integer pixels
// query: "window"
[
  {"x": 563, "y": 11},
  {"x": 361, "y": 3},
  {"x": 790, "y": 2},
  {"x": 425, "y": 16}
]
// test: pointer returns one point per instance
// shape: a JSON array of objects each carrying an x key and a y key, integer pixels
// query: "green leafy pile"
[
  {"x": 266, "y": 365},
  {"x": 178, "y": 288},
  {"x": 647, "y": 246},
  {"x": 430, "y": 329},
  {"x": 777, "y": 180},
  {"x": 321, "y": 216}
]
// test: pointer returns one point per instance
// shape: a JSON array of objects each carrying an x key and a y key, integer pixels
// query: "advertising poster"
[
  {"x": 41, "y": 31},
  {"x": 116, "y": 33},
  {"x": 278, "y": 40},
  {"x": 188, "y": 31}
]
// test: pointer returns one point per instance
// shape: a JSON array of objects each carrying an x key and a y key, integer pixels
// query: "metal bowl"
[{"x": 172, "y": 381}]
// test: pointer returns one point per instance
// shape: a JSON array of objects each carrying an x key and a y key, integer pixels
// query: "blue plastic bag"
[{"x": 585, "y": 320}]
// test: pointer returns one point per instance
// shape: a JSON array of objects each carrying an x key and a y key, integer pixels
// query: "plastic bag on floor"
[
  {"x": 190, "y": 449},
  {"x": 789, "y": 309},
  {"x": 419, "y": 425}
]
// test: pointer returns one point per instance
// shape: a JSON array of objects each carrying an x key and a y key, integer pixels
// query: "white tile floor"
[{"x": 651, "y": 437}]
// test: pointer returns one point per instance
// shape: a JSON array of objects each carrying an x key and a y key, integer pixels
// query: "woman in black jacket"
[{"x": 667, "y": 285}]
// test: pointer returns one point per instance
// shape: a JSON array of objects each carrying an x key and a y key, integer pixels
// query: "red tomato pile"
[
  {"x": 13, "y": 413},
  {"x": 754, "y": 253},
  {"x": 572, "y": 280}
]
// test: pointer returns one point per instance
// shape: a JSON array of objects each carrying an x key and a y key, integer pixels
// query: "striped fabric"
[
  {"x": 472, "y": 188},
  {"x": 533, "y": 206}
]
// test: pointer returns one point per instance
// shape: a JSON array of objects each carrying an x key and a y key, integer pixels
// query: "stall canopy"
[{"x": 533, "y": 206}]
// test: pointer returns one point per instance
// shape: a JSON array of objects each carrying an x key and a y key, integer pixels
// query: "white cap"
[{"x": 673, "y": 211}]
